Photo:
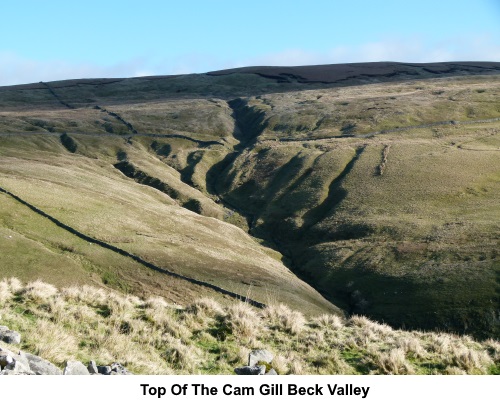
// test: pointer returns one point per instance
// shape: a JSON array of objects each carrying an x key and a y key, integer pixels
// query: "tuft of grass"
[
  {"x": 39, "y": 291},
  {"x": 205, "y": 307},
  {"x": 394, "y": 362},
  {"x": 471, "y": 361},
  {"x": 285, "y": 319},
  {"x": 329, "y": 321},
  {"x": 180, "y": 356},
  {"x": 243, "y": 321}
]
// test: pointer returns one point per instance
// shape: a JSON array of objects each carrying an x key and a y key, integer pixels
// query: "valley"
[{"x": 367, "y": 189}]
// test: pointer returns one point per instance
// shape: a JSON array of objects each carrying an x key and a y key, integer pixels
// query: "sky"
[{"x": 55, "y": 40}]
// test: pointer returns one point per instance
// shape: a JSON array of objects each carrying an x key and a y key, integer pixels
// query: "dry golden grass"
[
  {"x": 285, "y": 319},
  {"x": 206, "y": 307},
  {"x": 412, "y": 347},
  {"x": 470, "y": 360},
  {"x": 394, "y": 362},
  {"x": 38, "y": 290},
  {"x": 328, "y": 321},
  {"x": 152, "y": 336},
  {"x": 243, "y": 321}
]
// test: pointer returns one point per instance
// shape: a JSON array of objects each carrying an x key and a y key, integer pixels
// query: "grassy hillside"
[
  {"x": 93, "y": 197},
  {"x": 375, "y": 183},
  {"x": 151, "y": 336},
  {"x": 380, "y": 221}
]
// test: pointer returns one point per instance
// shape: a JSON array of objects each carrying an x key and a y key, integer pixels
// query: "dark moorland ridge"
[
  {"x": 375, "y": 183},
  {"x": 381, "y": 71},
  {"x": 339, "y": 74}
]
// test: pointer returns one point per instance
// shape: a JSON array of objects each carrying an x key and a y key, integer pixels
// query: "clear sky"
[{"x": 50, "y": 40}]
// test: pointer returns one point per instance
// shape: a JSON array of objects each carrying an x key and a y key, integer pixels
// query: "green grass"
[{"x": 90, "y": 195}]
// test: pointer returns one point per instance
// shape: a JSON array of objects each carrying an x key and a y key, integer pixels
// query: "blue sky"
[{"x": 50, "y": 40}]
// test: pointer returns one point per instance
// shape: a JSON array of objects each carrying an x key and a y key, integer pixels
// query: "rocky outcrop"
[
  {"x": 29, "y": 364},
  {"x": 14, "y": 364},
  {"x": 257, "y": 356},
  {"x": 21, "y": 363}
]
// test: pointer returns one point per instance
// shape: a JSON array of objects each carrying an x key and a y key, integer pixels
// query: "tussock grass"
[
  {"x": 181, "y": 356},
  {"x": 394, "y": 362},
  {"x": 243, "y": 321},
  {"x": 285, "y": 319},
  {"x": 328, "y": 321},
  {"x": 8, "y": 287},
  {"x": 5, "y": 293},
  {"x": 153, "y": 336},
  {"x": 412, "y": 347},
  {"x": 470, "y": 360},
  {"x": 206, "y": 307},
  {"x": 38, "y": 290}
]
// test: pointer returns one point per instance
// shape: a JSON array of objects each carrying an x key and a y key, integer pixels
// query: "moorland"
[{"x": 350, "y": 190}]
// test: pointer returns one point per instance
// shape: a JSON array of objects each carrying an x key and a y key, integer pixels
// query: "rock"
[
  {"x": 272, "y": 372},
  {"x": 10, "y": 336},
  {"x": 105, "y": 370},
  {"x": 250, "y": 370},
  {"x": 21, "y": 358},
  {"x": 117, "y": 368},
  {"x": 259, "y": 355},
  {"x": 41, "y": 366},
  {"x": 18, "y": 367},
  {"x": 5, "y": 359},
  {"x": 14, "y": 372},
  {"x": 92, "y": 367},
  {"x": 75, "y": 368}
]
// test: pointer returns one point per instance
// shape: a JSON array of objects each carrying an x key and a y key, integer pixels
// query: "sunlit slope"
[
  {"x": 96, "y": 199},
  {"x": 373, "y": 108}
]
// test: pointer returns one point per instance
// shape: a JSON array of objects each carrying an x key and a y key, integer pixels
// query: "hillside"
[{"x": 377, "y": 184}]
